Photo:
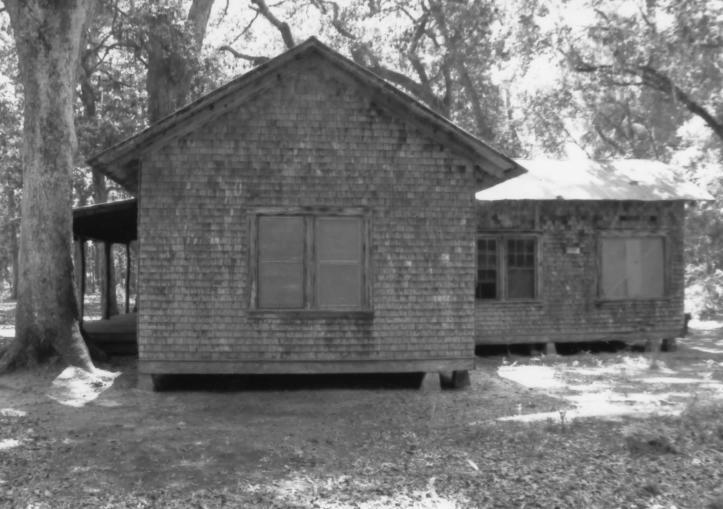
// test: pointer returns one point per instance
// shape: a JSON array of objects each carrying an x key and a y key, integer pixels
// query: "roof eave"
[{"x": 114, "y": 161}]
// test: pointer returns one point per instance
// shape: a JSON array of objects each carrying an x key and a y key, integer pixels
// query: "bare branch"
[
  {"x": 255, "y": 60},
  {"x": 656, "y": 79},
  {"x": 246, "y": 28},
  {"x": 336, "y": 21},
  {"x": 281, "y": 26},
  {"x": 609, "y": 141}
]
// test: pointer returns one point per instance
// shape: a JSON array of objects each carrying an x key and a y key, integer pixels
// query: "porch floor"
[{"x": 116, "y": 335}]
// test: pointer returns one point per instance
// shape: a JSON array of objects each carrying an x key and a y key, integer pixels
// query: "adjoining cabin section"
[
  {"x": 306, "y": 218},
  {"x": 574, "y": 252}
]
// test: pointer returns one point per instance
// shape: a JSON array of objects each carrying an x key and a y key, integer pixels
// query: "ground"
[{"x": 585, "y": 430}]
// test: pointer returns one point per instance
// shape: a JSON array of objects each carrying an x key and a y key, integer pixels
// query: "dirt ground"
[{"x": 585, "y": 430}]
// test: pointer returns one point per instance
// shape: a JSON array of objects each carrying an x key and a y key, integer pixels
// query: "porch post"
[
  {"x": 108, "y": 268},
  {"x": 128, "y": 276},
  {"x": 81, "y": 301}
]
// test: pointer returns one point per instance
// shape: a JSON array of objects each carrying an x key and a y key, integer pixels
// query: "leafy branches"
[{"x": 669, "y": 48}]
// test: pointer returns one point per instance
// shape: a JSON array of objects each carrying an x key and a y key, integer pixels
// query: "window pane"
[
  {"x": 339, "y": 286},
  {"x": 521, "y": 284},
  {"x": 633, "y": 268},
  {"x": 281, "y": 238},
  {"x": 281, "y": 262},
  {"x": 281, "y": 285},
  {"x": 650, "y": 268},
  {"x": 338, "y": 238},
  {"x": 614, "y": 282},
  {"x": 486, "y": 286},
  {"x": 521, "y": 268},
  {"x": 521, "y": 253},
  {"x": 339, "y": 262}
]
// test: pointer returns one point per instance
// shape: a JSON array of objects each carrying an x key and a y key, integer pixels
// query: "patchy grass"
[{"x": 332, "y": 442}]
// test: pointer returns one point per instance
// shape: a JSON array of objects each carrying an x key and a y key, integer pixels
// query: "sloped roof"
[
  {"x": 120, "y": 162},
  {"x": 107, "y": 222},
  {"x": 625, "y": 179}
]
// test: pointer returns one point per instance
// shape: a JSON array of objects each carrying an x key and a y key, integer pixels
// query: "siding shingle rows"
[
  {"x": 569, "y": 308},
  {"x": 311, "y": 139}
]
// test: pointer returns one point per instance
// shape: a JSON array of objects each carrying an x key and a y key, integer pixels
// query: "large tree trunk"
[
  {"x": 48, "y": 39},
  {"x": 13, "y": 240},
  {"x": 172, "y": 60}
]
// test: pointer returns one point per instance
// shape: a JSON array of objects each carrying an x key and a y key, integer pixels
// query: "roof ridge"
[{"x": 114, "y": 160}]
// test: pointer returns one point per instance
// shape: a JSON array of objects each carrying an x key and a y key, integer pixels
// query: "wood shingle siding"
[
  {"x": 572, "y": 304},
  {"x": 313, "y": 140}
]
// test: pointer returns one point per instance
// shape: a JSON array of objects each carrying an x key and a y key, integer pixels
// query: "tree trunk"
[
  {"x": 48, "y": 40},
  {"x": 172, "y": 63},
  {"x": 13, "y": 240}
]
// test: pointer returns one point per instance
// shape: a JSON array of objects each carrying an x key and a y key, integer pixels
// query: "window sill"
[
  {"x": 603, "y": 300},
  {"x": 498, "y": 302},
  {"x": 310, "y": 314}
]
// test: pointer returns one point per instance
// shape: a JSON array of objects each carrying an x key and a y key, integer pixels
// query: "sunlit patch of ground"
[
  {"x": 308, "y": 491},
  {"x": 8, "y": 443},
  {"x": 76, "y": 387},
  {"x": 618, "y": 386},
  {"x": 705, "y": 336}
]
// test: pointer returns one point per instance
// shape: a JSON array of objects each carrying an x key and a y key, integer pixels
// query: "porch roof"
[
  {"x": 624, "y": 179},
  {"x": 114, "y": 222}
]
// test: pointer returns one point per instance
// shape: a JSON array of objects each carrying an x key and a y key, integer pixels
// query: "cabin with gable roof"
[{"x": 307, "y": 217}]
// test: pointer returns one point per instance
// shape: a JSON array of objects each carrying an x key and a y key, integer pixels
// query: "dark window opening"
[
  {"x": 521, "y": 268},
  {"x": 506, "y": 268},
  {"x": 486, "y": 287}
]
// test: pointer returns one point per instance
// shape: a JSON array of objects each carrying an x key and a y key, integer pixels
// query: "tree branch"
[
  {"x": 281, "y": 26},
  {"x": 656, "y": 80},
  {"x": 255, "y": 60}
]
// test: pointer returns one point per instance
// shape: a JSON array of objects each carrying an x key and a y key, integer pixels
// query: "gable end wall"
[{"x": 311, "y": 139}]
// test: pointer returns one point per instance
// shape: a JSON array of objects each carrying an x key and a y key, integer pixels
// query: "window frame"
[
  {"x": 631, "y": 234},
  {"x": 502, "y": 274},
  {"x": 309, "y": 216}
]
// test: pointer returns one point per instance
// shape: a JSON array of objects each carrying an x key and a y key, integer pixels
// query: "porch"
[{"x": 108, "y": 225}]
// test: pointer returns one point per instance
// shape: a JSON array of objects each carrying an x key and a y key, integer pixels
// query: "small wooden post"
[
  {"x": 80, "y": 276},
  {"x": 108, "y": 268},
  {"x": 128, "y": 276},
  {"x": 81, "y": 304},
  {"x": 147, "y": 382},
  {"x": 455, "y": 380}
]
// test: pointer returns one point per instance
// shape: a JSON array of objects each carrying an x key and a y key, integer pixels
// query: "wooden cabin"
[
  {"x": 582, "y": 251},
  {"x": 307, "y": 217}
]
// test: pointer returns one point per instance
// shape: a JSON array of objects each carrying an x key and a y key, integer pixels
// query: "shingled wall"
[
  {"x": 569, "y": 308},
  {"x": 311, "y": 137}
]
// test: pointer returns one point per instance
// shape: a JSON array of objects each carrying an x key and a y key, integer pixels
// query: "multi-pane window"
[
  {"x": 486, "y": 287},
  {"x": 520, "y": 268},
  {"x": 309, "y": 261},
  {"x": 632, "y": 267},
  {"x": 506, "y": 267}
]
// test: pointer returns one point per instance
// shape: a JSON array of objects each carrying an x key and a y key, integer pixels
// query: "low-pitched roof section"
[
  {"x": 625, "y": 179},
  {"x": 113, "y": 222},
  {"x": 121, "y": 161}
]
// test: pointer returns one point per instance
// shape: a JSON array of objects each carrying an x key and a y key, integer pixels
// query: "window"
[
  {"x": 486, "y": 269},
  {"x": 310, "y": 262},
  {"x": 632, "y": 268},
  {"x": 506, "y": 267}
]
